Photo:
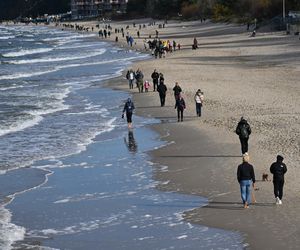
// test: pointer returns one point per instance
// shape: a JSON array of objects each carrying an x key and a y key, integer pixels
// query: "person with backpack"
[
  {"x": 128, "y": 109},
  {"x": 180, "y": 105},
  {"x": 243, "y": 130},
  {"x": 278, "y": 169},
  {"x": 155, "y": 77}
]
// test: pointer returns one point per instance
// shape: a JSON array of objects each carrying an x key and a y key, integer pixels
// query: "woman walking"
[{"x": 246, "y": 179}]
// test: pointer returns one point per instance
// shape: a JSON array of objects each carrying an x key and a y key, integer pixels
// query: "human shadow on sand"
[
  {"x": 231, "y": 205},
  {"x": 200, "y": 156}
]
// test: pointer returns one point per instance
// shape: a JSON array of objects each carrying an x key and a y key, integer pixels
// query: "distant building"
[{"x": 93, "y": 8}]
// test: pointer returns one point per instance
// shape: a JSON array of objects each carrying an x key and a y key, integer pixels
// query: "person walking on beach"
[
  {"x": 246, "y": 179},
  {"x": 128, "y": 109},
  {"x": 162, "y": 90},
  {"x": 195, "y": 43},
  {"x": 177, "y": 91},
  {"x": 278, "y": 169},
  {"x": 243, "y": 130},
  {"x": 155, "y": 77},
  {"x": 139, "y": 80},
  {"x": 199, "y": 101},
  {"x": 180, "y": 105},
  {"x": 130, "y": 77}
]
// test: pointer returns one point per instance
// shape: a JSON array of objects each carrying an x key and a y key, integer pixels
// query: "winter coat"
[{"x": 243, "y": 129}]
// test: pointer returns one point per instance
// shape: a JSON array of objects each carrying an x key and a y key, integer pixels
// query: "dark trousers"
[
  {"x": 129, "y": 117},
  {"x": 278, "y": 188},
  {"x": 131, "y": 84},
  {"x": 180, "y": 114},
  {"x": 198, "y": 108},
  {"x": 155, "y": 84},
  {"x": 244, "y": 145},
  {"x": 162, "y": 99}
]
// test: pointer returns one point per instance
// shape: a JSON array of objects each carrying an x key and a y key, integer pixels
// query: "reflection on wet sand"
[{"x": 130, "y": 142}]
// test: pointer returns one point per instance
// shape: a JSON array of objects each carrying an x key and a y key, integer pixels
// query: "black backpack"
[{"x": 244, "y": 131}]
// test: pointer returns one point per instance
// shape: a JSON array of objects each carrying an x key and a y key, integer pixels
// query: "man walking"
[
  {"x": 243, "y": 130},
  {"x": 155, "y": 77},
  {"x": 162, "y": 89},
  {"x": 278, "y": 169}
]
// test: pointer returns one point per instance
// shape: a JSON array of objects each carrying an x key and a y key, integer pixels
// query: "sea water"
[{"x": 72, "y": 175}]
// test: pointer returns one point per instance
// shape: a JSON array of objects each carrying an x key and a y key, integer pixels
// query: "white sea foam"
[
  {"x": 21, "y": 125},
  {"x": 9, "y": 233},
  {"x": 26, "y": 75},
  {"x": 24, "y": 52},
  {"x": 37, "y": 115},
  {"x": 59, "y": 59},
  {"x": 6, "y": 37}
]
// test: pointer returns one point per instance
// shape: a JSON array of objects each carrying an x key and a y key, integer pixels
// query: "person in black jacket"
[
  {"x": 243, "y": 130},
  {"x": 278, "y": 169},
  {"x": 246, "y": 177},
  {"x": 155, "y": 77},
  {"x": 177, "y": 91},
  {"x": 162, "y": 90},
  {"x": 128, "y": 108},
  {"x": 180, "y": 105}
]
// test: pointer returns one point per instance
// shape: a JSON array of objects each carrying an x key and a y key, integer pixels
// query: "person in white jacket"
[{"x": 199, "y": 101}]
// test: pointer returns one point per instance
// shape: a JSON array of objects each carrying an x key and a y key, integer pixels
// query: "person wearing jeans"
[{"x": 246, "y": 179}]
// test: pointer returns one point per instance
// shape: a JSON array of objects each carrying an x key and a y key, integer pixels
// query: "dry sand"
[{"x": 257, "y": 78}]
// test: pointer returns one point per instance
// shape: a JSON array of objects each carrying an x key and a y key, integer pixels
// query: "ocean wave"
[
  {"x": 6, "y": 37},
  {"x": 24, "y": 52},
  {"x": 9, "y": 233},
  {"x": 59, "y": 59},
  {"x": 26, "y": 75},
  {"x": 21, "y": 125}
]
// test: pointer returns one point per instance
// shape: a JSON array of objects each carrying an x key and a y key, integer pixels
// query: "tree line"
[
  {"x": 216, "y": 9},
  {"x": 187, "y": 9},
  {"x": 11, "y": 9}
]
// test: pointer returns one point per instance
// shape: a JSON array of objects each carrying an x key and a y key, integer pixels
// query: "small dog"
[{"x": 265, "y": 177}]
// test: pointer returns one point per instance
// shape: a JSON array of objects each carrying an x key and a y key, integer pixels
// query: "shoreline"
[
  {"x": 195, "y": 168},
  {"x": 198, "y": 178}
]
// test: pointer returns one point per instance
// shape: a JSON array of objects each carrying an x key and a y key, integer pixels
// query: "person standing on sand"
[
  {"x": 180, "y": 105},
  {"x": 128, "y": 109},
  {"x": 155, "y": 77},
  {"x": 162, "y": 90},
  {"x": 246, "y": 178},
  {"x": 278, "y": 169},
  {"x": 199, "y": 101},
  {"x": 243, "y": 130}
]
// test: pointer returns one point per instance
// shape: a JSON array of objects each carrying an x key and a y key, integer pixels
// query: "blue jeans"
[{"x": 246, "y": 191}]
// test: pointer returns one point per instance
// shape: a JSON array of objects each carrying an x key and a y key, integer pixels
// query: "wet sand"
[{"x": 257, "y": 78}]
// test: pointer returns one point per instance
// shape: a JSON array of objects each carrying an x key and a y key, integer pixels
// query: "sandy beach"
[{"x": 255, "y": 77}]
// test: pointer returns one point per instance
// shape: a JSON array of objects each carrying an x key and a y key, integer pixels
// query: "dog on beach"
[{"x": 265, "y": 177}]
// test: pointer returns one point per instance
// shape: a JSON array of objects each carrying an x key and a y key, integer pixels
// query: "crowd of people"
[{"x": 245, "y": 171}]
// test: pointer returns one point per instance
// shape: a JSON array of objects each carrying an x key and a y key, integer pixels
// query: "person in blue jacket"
[{"x": 128, "y": 109}]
